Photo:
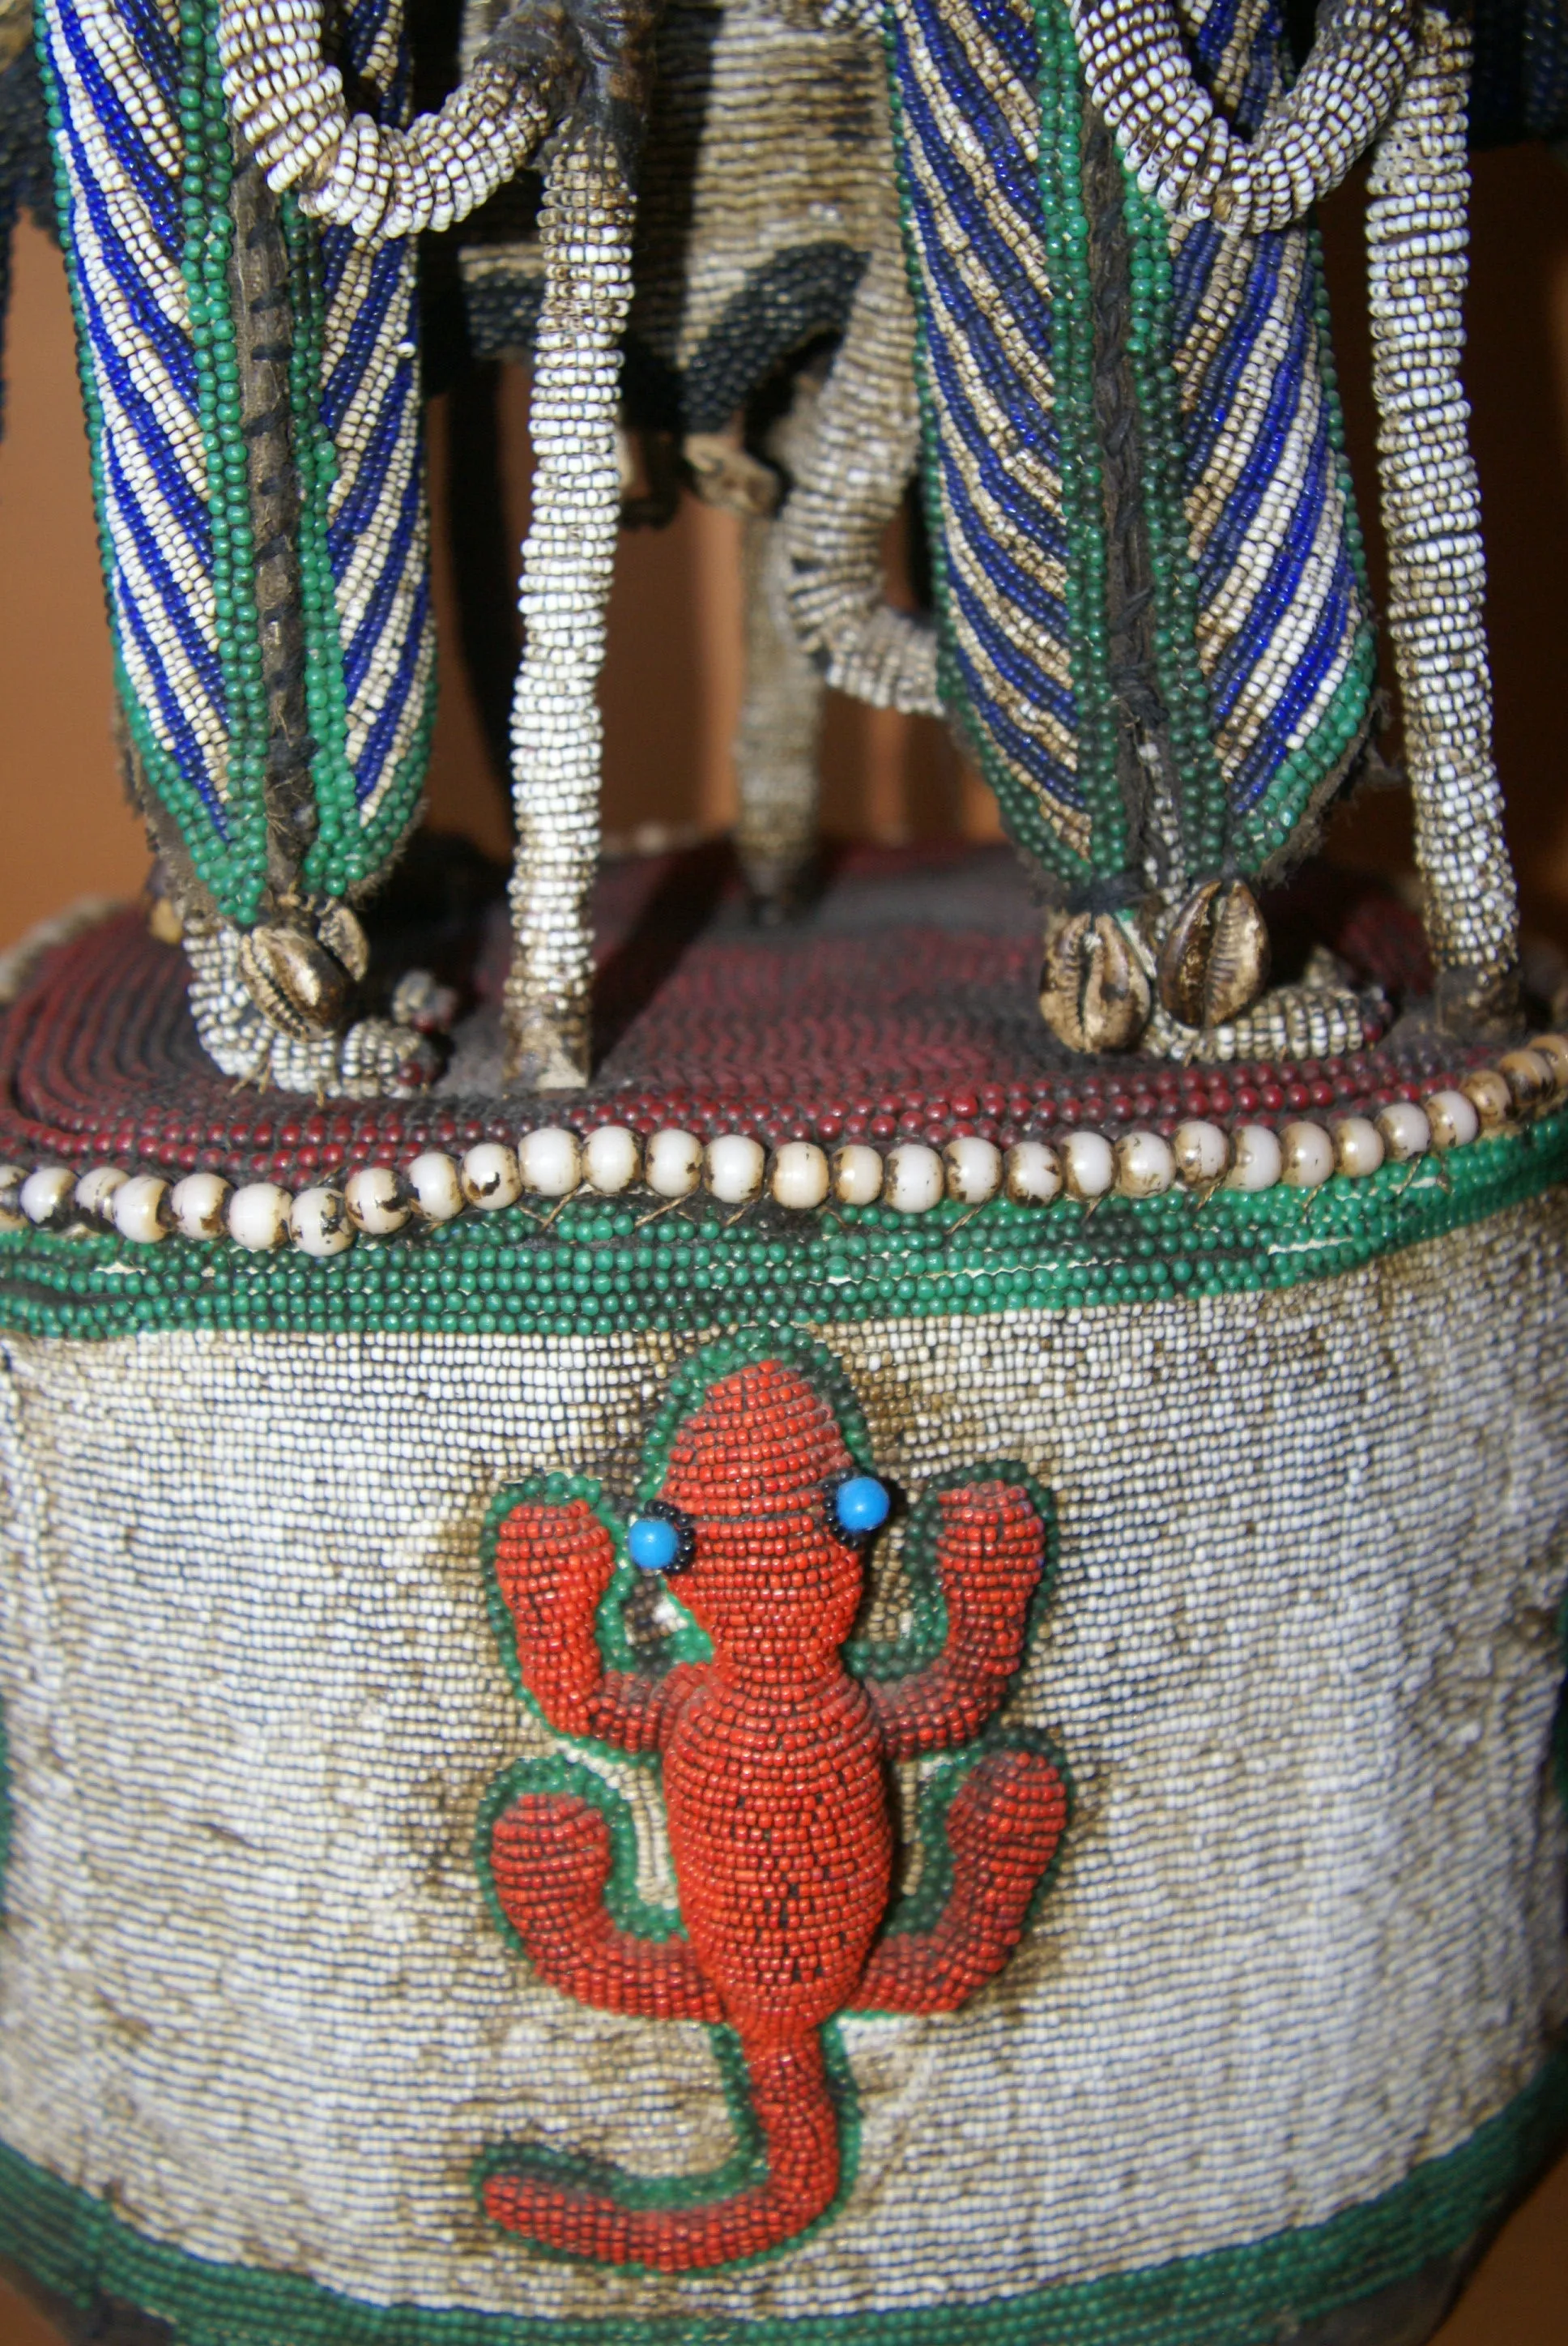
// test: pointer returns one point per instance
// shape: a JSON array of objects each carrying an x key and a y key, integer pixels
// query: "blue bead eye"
[
  {"x": 860, "y": 1505},
  {"x": 659, "y": 1539}
]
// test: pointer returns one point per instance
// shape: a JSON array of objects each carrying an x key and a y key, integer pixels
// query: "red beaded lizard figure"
[{"x": 775, "y": 1763}]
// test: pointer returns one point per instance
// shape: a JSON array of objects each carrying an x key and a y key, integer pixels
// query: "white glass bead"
[
  {"x": 140, "y": 1210},
  {"x": 1451, "y": 1120},
  {"x": 549, "y": 1162},
  {"x": 46, "y": 1192},
  {"x": 436, "y": 1186},
  {"x": 736, "y": 1165},
  {"x": 801, "y": 1175},
  {"x": 1404, "y": 1131},
  {"x": 1357, "y": 1146},
  {"x": 1146, "y": 1166},
  {"x": 318, "y": 1222},
  {"x": 913, "y": 1179},
  {"x": 95, "y": 1189},
  {"x": 200, "y": 1205},
  {"x": 974, "y": 1169},
  {"x": 674, "y": 1164},
  {"x": 378, "y": 1201},
  {"x": 858, "y": 1174},
  {"x": 1256, "y": 1159},
  {"x": 490, "y": 1177},
  {"x": 1034, "y": 1173},
  {"x": 258, "y": 1216},
  {"x": 1088, "y": 1166},
  {"x": 1202, "y": 1152},
  {"x": 610, "y": 1160},
  {"x": 1306, "y": 1156}
]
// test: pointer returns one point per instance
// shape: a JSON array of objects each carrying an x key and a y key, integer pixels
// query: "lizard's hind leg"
[
  {"x": 551, "y": 1857},
  {"x": 1002, "y": 1825}
]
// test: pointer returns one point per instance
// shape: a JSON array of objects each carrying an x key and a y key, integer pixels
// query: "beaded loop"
[
  {"x": 374, "y": 181},
  {"x": 1187, "y": 155}
]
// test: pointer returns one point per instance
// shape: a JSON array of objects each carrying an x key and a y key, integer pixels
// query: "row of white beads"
[{"x": 553, "y": 1163}]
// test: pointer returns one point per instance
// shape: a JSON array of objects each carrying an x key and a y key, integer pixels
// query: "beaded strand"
[
  {"x": 568, "y": 560},
  {"x": 1418, "y": 264}
]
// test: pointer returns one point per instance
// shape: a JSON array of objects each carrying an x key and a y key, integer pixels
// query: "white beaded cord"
[
  {"x": 1185, "y": 154},
  {"x": 1418, "y": 261},
  {"x": 569, "y": 559},
  {"x": 370, "y": 178}
]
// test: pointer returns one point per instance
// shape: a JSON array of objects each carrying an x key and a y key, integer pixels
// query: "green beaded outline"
[
  {"x": 1026, "y": 822},
  {"x": 595, "y": 1272},
  {"x": 1246, "y": 2295},
  {"x": 926, "y": 1637},
  {"x": 208, "y": 264},
  {"x": 685, "y": 1644},
  {"x": 922, "y": 1907},
  {"x": 1067, "y": 236},
  {"x": 347, "y": 850},
  {"x": 1184, "y": 688}
]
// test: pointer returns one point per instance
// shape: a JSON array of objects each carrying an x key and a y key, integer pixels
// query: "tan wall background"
[{"x": 674, "y": 673}]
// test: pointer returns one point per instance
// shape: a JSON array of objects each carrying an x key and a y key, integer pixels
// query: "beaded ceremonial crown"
[{"x": 777, "y": 1598}]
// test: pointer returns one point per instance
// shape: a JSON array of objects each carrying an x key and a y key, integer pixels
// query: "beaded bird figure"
[{"x": 775, "y": 1759}]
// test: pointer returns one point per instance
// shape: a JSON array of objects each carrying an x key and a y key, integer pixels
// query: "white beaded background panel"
[{"x": 1301, "y": 1658}]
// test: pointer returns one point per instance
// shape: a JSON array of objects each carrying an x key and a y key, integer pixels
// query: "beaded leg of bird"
[
  {"x": 253, "y": 410},
  {"x": 569, "y": 559},
  {"x": 1260, "y": 572},
  {"x": 778, "y": 737},
  {"x": 858, "y": 454},
  {"x": 1417, "y": 246}
]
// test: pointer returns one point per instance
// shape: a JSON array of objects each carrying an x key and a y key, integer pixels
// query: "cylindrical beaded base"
[{"x": 1214, "y": 1986}]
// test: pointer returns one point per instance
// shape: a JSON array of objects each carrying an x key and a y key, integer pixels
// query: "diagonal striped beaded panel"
[
  {"x": 142, "y": 202},
  {"x": 374, "y": 705},
  {"x": 1282, "y": 629},
  {"x": 986, "y": 257},
  {"x": 1263, "y": 653},
  {"x": 144, "y": 170}
]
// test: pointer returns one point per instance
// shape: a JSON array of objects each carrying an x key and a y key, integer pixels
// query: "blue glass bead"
[
  {"x": 861, "y": 1505},
  {"x": 654, "y": 1544}
]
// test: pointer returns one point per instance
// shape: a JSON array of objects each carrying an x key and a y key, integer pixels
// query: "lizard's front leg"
[
  {"x": 990, "y": 1555},
  {"x": 554, "y": 1561}
]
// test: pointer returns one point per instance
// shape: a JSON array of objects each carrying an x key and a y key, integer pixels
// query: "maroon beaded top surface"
[{"x": 901, "y": 1006}]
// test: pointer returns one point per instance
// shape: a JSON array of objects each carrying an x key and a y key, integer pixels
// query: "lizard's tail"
[{"x": 633, "y": 2221}]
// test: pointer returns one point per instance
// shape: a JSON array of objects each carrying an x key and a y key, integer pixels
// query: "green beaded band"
[
  {"x": 603, "y": 1267},
  {"x": 1246, "y": 2296}
]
